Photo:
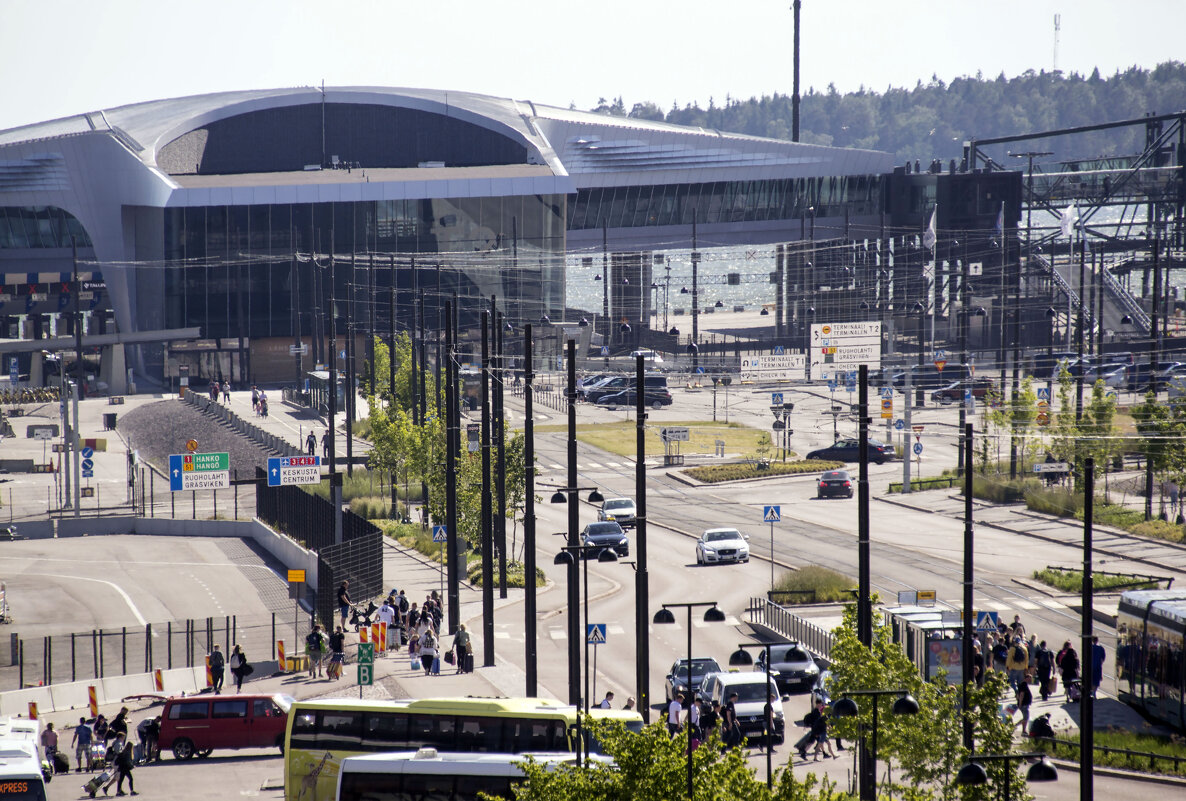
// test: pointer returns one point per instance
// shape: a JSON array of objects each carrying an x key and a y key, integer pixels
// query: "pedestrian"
[
  {"x": 123, "y": 767},
  {"x": 119, "y": 724},
  {"x": 977, "y": 663},
  {"x": 1098, "y": 655},
  {"x": 254, "y": 399},
  {"x": 693, "y": 715},
  {"x": 402, "y": 603},
  {"x": 674, "y": 710},
  {"x": 344, "y": 601},
  {"x": 217, "y": 668},
  {"x": 101, "y": 726},
  {"x": 819, "y": 732},
  {"x": 1017, "y": 628},
  {"x": 730, "y": 725},
  {"x": 386, "y": 614},
  {"x": 310, "y": 443},
  {"x": 1016, "y": 662},
  {"x": 631, "y": 703},
  {"x": 214, "y": 391},
  {"x": 428, "y": 651},
  {"x": 263, "y": 404},
  {"x": 149, "y": 731},
  {"x": 1024, "y": 699},
  {"x": 49, "y": 742},
  {"x": 809, "y": 721},
  {"x": 608, "y": 701},
  {"x": 461, "y": 646},
  {"x": 413, "y": 621},
  {"x": 1068, "y": 664},
  {"x": 1045, "y": 666},
  {"x": 710, "y": 718},
  {"x": 325, "y": 445},
  {"x": 240, "y": 667},
  {"x": 226, "y": 393},
  {"x": 82, "y": 745},
  {"x": 337, "y": 654},
  {"x": 1031, "y": 669},
  {"x": 315, "y": 650}
]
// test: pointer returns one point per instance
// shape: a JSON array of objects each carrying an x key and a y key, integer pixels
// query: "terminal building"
[{"x": 225, "y": 224}]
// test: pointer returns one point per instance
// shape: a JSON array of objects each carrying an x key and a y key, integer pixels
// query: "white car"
[
  {"x": 648, "y": 356},
  {"x": 621, "y": 510},
  {"x": 719, "y": 545}
]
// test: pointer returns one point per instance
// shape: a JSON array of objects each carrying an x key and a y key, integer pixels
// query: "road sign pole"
[
  {"x": 772, "y": 556},
  {"x": 905, "y": 437}
]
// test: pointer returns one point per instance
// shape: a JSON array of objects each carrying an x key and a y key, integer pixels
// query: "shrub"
[
  {"x": 713, "y": 474},
  {"x": 814, "y": 584},
  {"x": 371, "y": 507},
  {"x": 1170, "y": 747},
  {"x": 1072, "y": 581},
  {"x": 1002, "y": 490},
  {"x": 1054, "y": 502},
  {"x": 514, "y": 574},
  {"x": 1159, "y": 529},
  {"x": 935, "y": 482}
]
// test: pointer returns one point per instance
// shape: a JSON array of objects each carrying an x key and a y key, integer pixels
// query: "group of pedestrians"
[
  {"x": 702, "y": 717},
  {"x": 240, "y": 667},
  {"x": 259, "y": 401},
  {"x": 222, "y": 390}
]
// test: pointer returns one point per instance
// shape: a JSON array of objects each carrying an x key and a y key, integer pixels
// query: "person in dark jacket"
[
  {"x": 123, "y": 766},
  {"x": 1045, "y": 666}
]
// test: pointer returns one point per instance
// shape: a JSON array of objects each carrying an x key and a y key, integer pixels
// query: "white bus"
[
  {"x": 427, "y": 773},
  {"x": 21, "y": 776}
]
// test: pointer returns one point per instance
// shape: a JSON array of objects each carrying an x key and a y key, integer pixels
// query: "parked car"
[
  {"x": 954, "y": 392},
  {"x": 719, "y": 545},
  {"x": 677, "y": 677},
  {"x": 793, "y": 668},
  {"x": 833, "y": 483},
  {"x": 649, "y": 357},
  {"x": 655, "y": 397},
  {"x": 606, "y": 534},
  {"x": 752, "y": 690},
  {"x": 848, "y": 450},
  {"x": 620, "y": 383},
  {"x": 620, "y": 510},
  {"x": 592, "y": 392},
  {"x": 198, "y": 725}
]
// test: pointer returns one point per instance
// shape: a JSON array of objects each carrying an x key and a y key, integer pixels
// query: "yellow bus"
[{"x": 322, "y": 732}]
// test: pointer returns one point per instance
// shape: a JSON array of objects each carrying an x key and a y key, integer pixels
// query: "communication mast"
[{"x": 1057, "y": 28}]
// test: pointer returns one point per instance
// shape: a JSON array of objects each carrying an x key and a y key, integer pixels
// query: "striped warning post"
[
  {"x": 375, "y": 636},
  {"x": 209, "y": 673},
  {"x": 363, "y": 633},
  {"x": 32, "y": 710},
  {"x": 158, "y": 680},
  {"x": 280, "y": 653},
  {"x": 383, "y": 636},
  {"x": 93, "y": 700}
]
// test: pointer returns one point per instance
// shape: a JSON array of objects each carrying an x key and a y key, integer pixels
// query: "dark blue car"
[{"x": 848, "y": 450}]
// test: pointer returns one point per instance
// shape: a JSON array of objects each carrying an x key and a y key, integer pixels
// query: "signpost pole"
[
  {"x": 906, "y": 437},
  {"x": 75, "y": 443},
  {"x": 771, "y": 556}
]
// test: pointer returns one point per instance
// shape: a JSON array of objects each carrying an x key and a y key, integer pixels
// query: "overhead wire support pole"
[
  {"x": 642, "y": 616},
  {"x": 969, "y": 556},
  {"x": 574, "y": 524},
  {"x": 529, "y": 603},
  {"x": 487, "y": 513},
  {"x": 500, "y": 455},
  {"x": 452, "y": 535}
]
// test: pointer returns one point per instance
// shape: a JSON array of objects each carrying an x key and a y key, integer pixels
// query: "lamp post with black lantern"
[
  {"x": 665, "y": 617},
  {"x": 973, "y": 774},
  {"x": 741, "y": 658},
  {"x": 846, "y": 707},
  {"x": 782, "y": 423}
]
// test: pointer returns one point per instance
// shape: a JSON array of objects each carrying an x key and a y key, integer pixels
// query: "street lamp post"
[
  {"x": 741, "y": 658},
  {"x": 846, "y": 707},
  {"x": 919, "y": 394},
  {"x": 973, "y": 774},
  {"x": 569, "y": 495},
  {"x": 665, "y": 617},
  {"x": 782, "y": 421}
]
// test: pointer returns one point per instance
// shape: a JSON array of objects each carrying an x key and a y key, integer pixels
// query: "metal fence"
[
  {"x": 101, "y": 653},
  {"x": 764, "y": 612}
]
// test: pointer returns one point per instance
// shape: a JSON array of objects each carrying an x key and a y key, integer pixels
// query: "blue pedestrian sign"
[
  {"x": 986, "y": 621},
  {"x": 850, "y": 386},
  {"x": 779, "y": 350},
  {"x": 1044, "y": 393},
  {"x": 899, "y": 424},
  {"x": 776, "y": 399},
  {"x": 604, "y": 350},
  {"x": 439, "y": 534},
  {"x": 595, "y": 633},
  {"x": 771, "y": 514},
  {"x": 918, "y": 449},
  {"x": 887, "y": 392}
]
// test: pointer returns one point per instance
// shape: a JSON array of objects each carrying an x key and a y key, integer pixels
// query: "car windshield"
[
  {"x": 747, "y": 693},
  {"x": 620, "y": 503},
  {"x": 603, "y": 529},
  {"x": 717, "y": 536},
  {"x": 699, "y": 668},
  {"x": 837, "y": 474}
]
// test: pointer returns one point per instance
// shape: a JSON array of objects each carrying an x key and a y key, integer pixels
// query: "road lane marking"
[
  {"x": 1029, "y": 605},
  {"x": 127, "y": 598}
]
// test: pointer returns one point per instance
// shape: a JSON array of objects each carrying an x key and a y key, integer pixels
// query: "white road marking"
[
  {"x": 1049, "y": 604},
  {"x": 127, "y": 598},
  {"x": 558, "y": 634},
  {"x": 614, "y": 628},
  {"x": 1025, "y": 604},
  {"x": 592, "y": 464}
]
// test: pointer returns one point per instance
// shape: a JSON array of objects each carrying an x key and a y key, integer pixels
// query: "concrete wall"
[{"x": 35, "y": 529}]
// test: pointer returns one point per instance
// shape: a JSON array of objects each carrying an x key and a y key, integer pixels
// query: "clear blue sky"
[{"x": 61, "y": 57}]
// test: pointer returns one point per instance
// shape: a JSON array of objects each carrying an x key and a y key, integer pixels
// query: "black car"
[
  {"x": 677, "y": 677},
  {"x": 834, "y": 482},
  {"x": 954, "y": 392},
  {"x": 607, "y": 534},
  {"x": 655, "y": 397},
  {"x": 606, "y": 386},
  {"x": 848, "y": 450}
]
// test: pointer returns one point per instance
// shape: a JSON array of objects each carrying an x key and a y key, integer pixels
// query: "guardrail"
[
  {"x": 253, "y": 432},
  {"x": 1140, "y": 317},
  {"x": 764, "y": 612}
]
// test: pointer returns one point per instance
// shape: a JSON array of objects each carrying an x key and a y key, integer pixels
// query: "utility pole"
[
  {"x": 350, "y": 353},
  {"x": 487, "y": 522},
  {"x": 500, "y": 455},
  {"x": 453, "y": 536},
  {"x": 795, "y": 92},
  {"x": 695, "y": 301},
  {"x": 335, "y": 478},
  {"x": 529, "y": 592}
]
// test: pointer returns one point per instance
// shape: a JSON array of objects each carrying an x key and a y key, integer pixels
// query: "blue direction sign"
[
  {"x": 899, "y": 424},
  {"x": 14, "y": 373},
  {"x": 439, "y": 534},
  {"x": 595, "y": 633},
  {"x": 831, "y": 384},
  {"x": 771, "y": 514},
  {"x": 285, "y": 470},
  {"x": 776, "y": 399},
  {"x": 917, "y": 448},
  {"x": 88, "y": 468},
  {"x": 986, "y": 621},
  {"x": 850, "y": 386},
  {"x": 88, "y": 453},
  {"x": 1044, "y": 393}
]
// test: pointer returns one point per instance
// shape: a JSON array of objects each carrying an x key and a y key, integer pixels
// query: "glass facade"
[
  {"x": 247, "y": 271},
  {"x": 725, "y": 202},
  {"x": 39, "y": 227}
]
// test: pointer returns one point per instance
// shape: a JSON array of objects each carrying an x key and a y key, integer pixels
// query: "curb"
[{"x": 1117, "y": 773}]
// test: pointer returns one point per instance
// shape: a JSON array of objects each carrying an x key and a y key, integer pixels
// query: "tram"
[{"x": 1151, "y": 669}]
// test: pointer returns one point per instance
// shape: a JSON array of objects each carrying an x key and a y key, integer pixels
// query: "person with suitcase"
[
  {"x": 428, "y": 652},
  {"x": 460, "y": 646},
  {"x": 124, "y": 763}
]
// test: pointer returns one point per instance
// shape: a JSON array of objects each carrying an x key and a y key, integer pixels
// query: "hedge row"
[{"x": 716, "y": 473}]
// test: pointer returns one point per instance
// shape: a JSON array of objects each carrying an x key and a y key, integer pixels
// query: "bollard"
[
  {"x": 124, "y": 643},
  {"x": 73, "y": 653},
  {"x": 383, "y": 636},
  {"x": 93, "y": 700},
  {"x": 32, "y": 710},
  {"x": 169, "y": 643},
  {"x": 282, "y": 661},
  {"x": 375, "y": 636},
  {"x": 147, "y": 646},
  {"x": 209, "y": 673},
  {"x": 158, "y": 680}
]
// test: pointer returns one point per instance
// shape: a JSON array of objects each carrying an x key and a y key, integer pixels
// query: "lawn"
[{"x": 620, "y": 437}]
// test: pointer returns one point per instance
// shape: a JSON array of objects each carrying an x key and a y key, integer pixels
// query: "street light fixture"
[
  {"x": 665, "y": 617},
  {"x": 973, "y": 774},
  {"x": 782, "y": 420},
  {"x": 846, "y": 707}
]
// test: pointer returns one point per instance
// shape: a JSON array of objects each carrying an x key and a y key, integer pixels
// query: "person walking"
[
  {"x": 730, "y": 725},
  {"x": 461, "y": 648},
  {"x": 123, "y": 767},
  {"x": 254, "y": 399},
  {"x": 631, "y": 703},
  {"x": 1068, "y": 664},
  {"x": 674, "y": 710},
  {"x": 1024, "y": 699},
  {"x": 1017, "y": 662},
  {"x": 226, "y": 393},
  {"x": 217, "y": 669},
  {"x": 1098, "y": 656},
  {"x": 819, "y": 732},
  {"x": 240, "y": 667},
  {"x": 1045, "y": 668},
  {"x": 344, "y": 601},
  {"x": 49, "y": 744},
  {"x": 310, "y": 443},
  {"x": 315, "y": 650},
  {"x": 82, "y": 745},
  {"x": 337, "y": 654},
  {"x": 608, "y": 701},
  {"x": 325, "y": 445},
  {"x": 428, "y": 651}
]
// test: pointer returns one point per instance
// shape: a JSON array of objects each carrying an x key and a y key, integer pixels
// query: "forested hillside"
[{"x": 934, "y": 119}]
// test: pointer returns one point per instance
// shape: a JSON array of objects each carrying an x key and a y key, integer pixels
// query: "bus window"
[
  {"x": 480, "y": 734},
  {"x": 383, "y": 731},
  {"x": 304, "y": 731},
  {"x": 340, "y": 730}
]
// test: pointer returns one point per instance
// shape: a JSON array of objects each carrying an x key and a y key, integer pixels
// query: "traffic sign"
[
  {"x": 831, "y": 385},
  {"x": 88, "y": 453},
  {"x": 1043, "y": 393},
  {"x": 595, "y": 633},
  {"x": 199, "y": 471},
  {"x": 285, "y": 470},
  {"x": 366, "y": 675},
  {"x": 1111, "y": 394},
  {"x": 986, "y": 621},
  {"x": 192, "y": 445},
  {"x": 918, "y": 449},
  {"x": 771, "y": 514},
  {"x": 887, "y": 408},
  {"x": 1052, "y": 467},
  {"x": 296, "y": 576},
  {"x": 779, "y": 350},
  {"x": 604, "y": 350},
  {"x": 675, "y": 434},
  {"x": 88, "y": 464},
  {"x": 940, "y": 360},
  {"x": 366, "y": 653},
  {"x": 887, "y": 392},
  {"x": 1043, "y": 419},
  {"x": 776, "y": 399},
  {"x": 14, "y": 374},
  {"x": 899, "y": 424},
  {"x": 439, "y": 534},
  {"x": 298, "y": 350},
  {"x": 87, "y": 492}
]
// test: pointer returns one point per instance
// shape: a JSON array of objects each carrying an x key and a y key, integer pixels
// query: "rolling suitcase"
[
  {"x": 61, "y": 762},
  {"x": 469, "y": 663},
  {"x": 436, "y": 666},
  {"x": 94, "y": 784}
]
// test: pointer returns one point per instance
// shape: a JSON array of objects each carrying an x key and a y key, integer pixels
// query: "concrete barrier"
[
  {"x": 94, "y": 526},
  {"x": 16, "y": 702},
  {"x": 75, "y": 695},
  {"x": 36, "y": 529}
]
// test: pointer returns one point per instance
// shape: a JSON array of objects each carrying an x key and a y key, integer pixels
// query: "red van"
[{"x": 199, "y": 724}]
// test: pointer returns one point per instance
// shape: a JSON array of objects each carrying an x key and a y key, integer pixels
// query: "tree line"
[{"x": 934, "y": 119}]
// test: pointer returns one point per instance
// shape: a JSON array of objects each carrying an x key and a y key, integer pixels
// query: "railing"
[
  {"x": 1132, "y": 307},
  {"x": 764, "y": 612},
  {"x": 253, "y": 432},
  {"x": 1130, "y": 757}
]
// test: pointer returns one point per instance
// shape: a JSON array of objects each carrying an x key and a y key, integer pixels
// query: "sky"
[{"x": 63, "y": 57}]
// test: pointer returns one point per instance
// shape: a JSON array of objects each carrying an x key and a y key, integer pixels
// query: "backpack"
[
  {"x": 313, "y": 641},
  {"x": 1018, "y": 653},
  {"x": 403, "y": 604}
]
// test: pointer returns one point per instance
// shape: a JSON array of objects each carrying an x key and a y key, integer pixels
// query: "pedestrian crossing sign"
[
  {"x": 986, "y": 621},
  {"x": 771, "y": 514},
  {"x": 439, "y": 534},
  {"x": 595, "y": 633},
  {"x": 779, "y": 350}
]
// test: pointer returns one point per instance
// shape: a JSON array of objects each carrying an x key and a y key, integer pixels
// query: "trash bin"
[{"x": 109, "y": 421}]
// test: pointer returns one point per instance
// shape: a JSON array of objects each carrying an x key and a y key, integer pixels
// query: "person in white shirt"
[
  {"x": 607, "y": 702},
  {"x": 694, "y": 716},
  {"x": 386, "y": 614},
  {"x": 674, "y": 710}
]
